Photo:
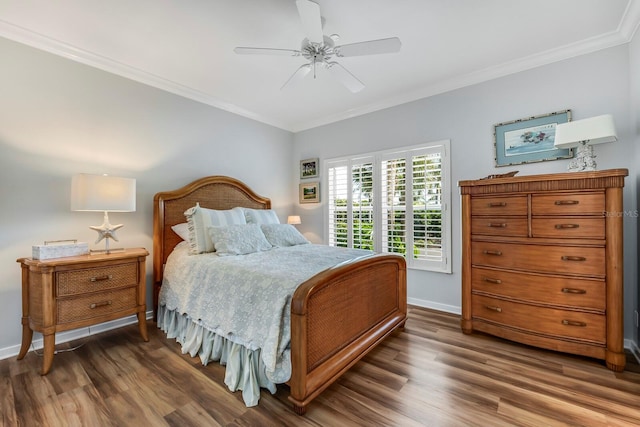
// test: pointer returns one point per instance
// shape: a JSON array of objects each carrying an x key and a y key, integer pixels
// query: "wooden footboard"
[{"x": 338, "y": 316}]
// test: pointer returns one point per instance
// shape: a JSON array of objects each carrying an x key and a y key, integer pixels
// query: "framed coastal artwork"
[
  {"x": 529, "y": 140},
  {"x": 310, "y": 192},
  {"x": 309, "y": 168}
]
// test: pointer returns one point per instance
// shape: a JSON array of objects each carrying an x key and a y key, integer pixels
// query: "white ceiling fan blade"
[
  {"x": 343, "y": 75},
  {"x": 372, "y": 47},
  {"x": 311, "y": 20},
  {"x": 297, "y": 76},
  {"x": 265, "y": 51}
]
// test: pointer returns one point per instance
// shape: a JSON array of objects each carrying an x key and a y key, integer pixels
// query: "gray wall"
[
  {"x": 634, "y": 61},
  {"x": 589, "y": 85},
  {"x": 59, "y": 118}
]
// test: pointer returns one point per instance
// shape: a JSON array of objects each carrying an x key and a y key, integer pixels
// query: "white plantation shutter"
[
  {"x": 395, "y": 201},
  {"x": 338, "y": 183},
  {"x": 350, "y": 205}
]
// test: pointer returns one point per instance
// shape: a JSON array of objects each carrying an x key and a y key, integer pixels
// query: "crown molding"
[
  {"x": 623, "y": 34},
  {"x": 56, "y": 47}
]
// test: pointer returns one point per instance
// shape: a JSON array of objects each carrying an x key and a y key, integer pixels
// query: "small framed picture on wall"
[
  {"x": 309, "y": 168},
  {"x": 310, "y": 192}
]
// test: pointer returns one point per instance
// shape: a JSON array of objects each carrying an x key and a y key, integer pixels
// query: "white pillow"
[
  {"x": 200, "y": 219},
  {"x": 238, "y": 239},
  {"x": 181, "y": 230},
  {"x": 260, "y": 216},
  {"x": 283, "y": 235}
]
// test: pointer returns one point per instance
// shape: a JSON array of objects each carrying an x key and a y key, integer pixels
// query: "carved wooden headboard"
[{"x": 212, "y": 192}]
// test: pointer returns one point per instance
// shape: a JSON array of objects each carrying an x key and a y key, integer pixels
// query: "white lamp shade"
[
  {"x": 102, "y": 193},
  {"x": 591, "y": 131},
  {"x": 293, "y": 219}
]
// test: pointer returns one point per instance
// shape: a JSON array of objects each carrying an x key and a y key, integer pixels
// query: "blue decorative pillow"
[
  {"x": 283, "y": 235},
  {"x": 200, "y": 219},
  {"x": 260, "y": 216},
  {"x": 238, "y": 239}
]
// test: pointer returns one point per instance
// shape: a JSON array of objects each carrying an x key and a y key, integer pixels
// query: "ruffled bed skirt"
[{"x": 244, "y": 367}]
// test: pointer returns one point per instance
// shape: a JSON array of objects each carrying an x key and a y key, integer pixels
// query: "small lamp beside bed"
[
  {"x": 103, "y": 193},
  {"x": 294, "y": 220}
]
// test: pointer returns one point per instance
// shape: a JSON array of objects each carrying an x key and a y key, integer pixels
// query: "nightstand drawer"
[
  {"x": 568, "y": 227},
  {"x": 499, "y": 226},
  {"x": 541, "y": 320},
  {"x": 568, "y": 204},
  {"x": 95, "y": 305},
  {"x": 96, "y": 279},
  {"x": 584, "y": 261},
  {"x": 513, "y": 205},
  {"x": 552, "y": 290}
]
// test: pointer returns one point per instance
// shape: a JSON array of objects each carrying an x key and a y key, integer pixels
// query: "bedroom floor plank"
[{"x": 428, "y": 374}]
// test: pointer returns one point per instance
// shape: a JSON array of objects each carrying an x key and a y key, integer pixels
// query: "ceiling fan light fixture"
[{"x": 320, "y": 49}]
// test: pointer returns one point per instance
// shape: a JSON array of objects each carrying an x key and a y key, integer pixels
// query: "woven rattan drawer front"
[
  {"x": 96, "y": 279},
  {"x": 95, "y": 305}
]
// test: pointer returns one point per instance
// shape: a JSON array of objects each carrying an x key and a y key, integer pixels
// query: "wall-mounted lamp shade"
[
  {"x": 102, "y": 193},
  {"x": 293, "y": 219},
  {"x": 591, "y": 131}
]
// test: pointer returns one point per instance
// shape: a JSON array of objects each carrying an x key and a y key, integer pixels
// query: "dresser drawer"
[
  {"x": 553, "y": 290},
  {"x": 568, "y": 227},
  {"x": 568, "y": 204},
  {"x": 510, "y": 205},
  {"x": 500, "y": 226},
  {"x": 95, "y": 305},
  {"x": 585, "y": 261},
  {"x": 541, "y": 320},
  {"x": 96, "y": 279}
]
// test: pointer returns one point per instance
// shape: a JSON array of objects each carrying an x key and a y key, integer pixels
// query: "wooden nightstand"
[{"x": 75, "y": 292}]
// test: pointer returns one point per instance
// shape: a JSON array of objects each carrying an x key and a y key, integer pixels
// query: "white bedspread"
[{"x": 247, "y": 298}]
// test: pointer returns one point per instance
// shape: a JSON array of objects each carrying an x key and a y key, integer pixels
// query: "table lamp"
[
  {"x": 584, "y": 134},
  {"x": 103, "y": 193},
  {"x": 294, "y": 219}
]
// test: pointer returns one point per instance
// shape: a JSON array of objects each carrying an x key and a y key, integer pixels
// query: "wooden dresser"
[
  {"x": 73, "y": 292},
  {"x": 542, "y": 261}
]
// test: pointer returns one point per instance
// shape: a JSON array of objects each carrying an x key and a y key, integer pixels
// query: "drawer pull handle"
[
  {"x": 488, "y": 252},
  {"x": 100, "y": 304},
  {"x": 573, "y": 258},
  {"x": 497, "y": 204},
  {"x": 101, "y": 278},
  {"x": 493, "y": 308},
  {"x": 574, "y": 323},
  {"x": 573, "y": 291},
  {"x": 565, "y": 226},
  {"x": 566, "y": 202},
  {"x": 498, "y": 224},
  {"x": 492, "y": 280}
]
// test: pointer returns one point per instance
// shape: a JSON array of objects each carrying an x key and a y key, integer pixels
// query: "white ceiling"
[{"x": 186, "y": 46}]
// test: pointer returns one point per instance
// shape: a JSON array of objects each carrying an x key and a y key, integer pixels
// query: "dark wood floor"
[{"x": 428, "y": 374}]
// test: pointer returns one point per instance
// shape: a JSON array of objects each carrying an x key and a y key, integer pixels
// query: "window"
[{"x": 393, "y": 201}]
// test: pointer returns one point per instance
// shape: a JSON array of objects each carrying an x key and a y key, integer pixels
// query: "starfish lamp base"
[{"x": 106, "y": 231}]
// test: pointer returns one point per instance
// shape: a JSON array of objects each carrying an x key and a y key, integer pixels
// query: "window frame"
[{"x": 376, "y": 158}]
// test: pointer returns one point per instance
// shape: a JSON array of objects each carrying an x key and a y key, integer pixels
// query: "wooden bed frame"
[{"x": 337, "y": 316}]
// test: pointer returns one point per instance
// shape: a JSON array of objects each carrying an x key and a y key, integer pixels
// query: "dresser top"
[
  {"x": 92, "y": 257},
  {"x": 547, "y": 182}
]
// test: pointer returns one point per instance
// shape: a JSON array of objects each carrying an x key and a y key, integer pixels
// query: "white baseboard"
[
  {"x": 632, "y": 346},
  {"x": 434, "y": 305},
  {"x": 74, "y": 334}
]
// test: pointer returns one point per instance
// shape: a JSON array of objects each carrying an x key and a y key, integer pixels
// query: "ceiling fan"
[{"x": 319, "y": 49}]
